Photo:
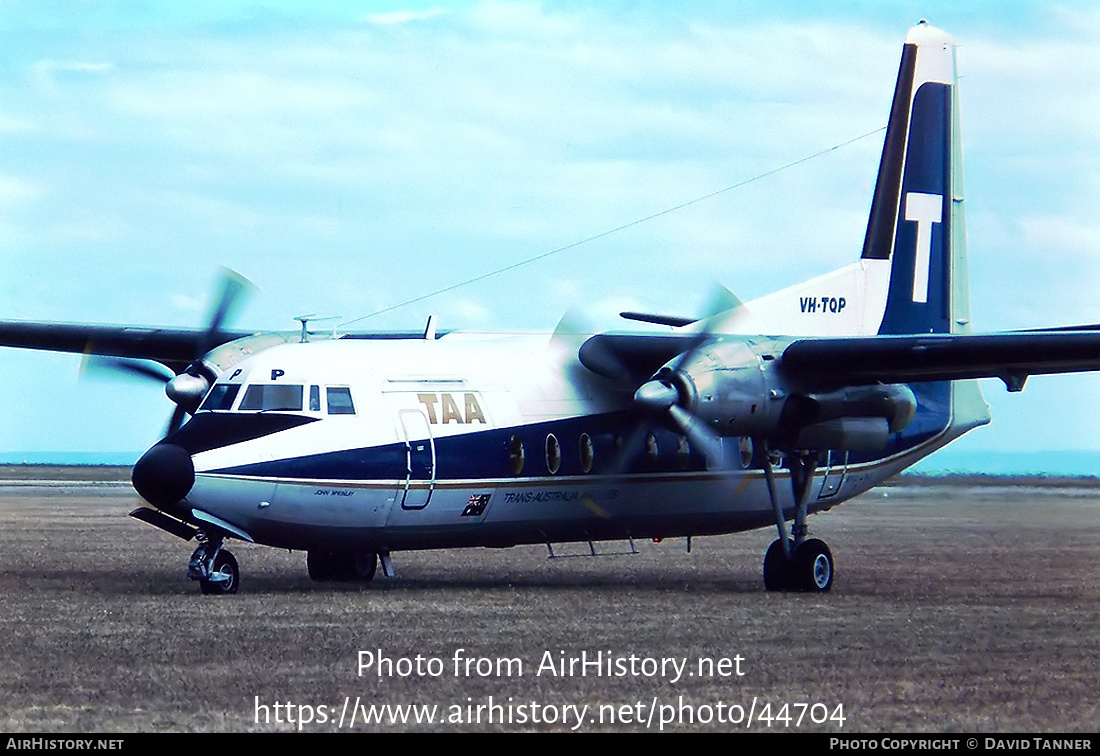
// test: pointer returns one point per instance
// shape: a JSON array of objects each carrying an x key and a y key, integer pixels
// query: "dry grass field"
[{"x": 961, "y": 608}]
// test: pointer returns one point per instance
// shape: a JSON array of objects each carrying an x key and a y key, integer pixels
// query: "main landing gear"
[
  {"x": 798, "y": 563},
  {"x": 214, "y": 568},
  {"x": 358, "y": 566}
]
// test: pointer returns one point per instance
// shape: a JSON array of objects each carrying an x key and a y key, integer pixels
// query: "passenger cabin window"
[
  {"x": 339, "y": 400},
  {"x": 272, "y": 396},
  {"x": 588, "y": 452},
  {"x": 221, "y": 396}
]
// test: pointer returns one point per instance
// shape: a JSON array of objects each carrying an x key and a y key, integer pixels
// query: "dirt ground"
[{"x": 956, "y": 608}]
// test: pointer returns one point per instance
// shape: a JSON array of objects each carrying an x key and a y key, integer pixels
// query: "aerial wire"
[{"x": 617, "y": 229}]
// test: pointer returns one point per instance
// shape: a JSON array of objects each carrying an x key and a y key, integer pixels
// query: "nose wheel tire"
[{"x": 225, "y": 576}]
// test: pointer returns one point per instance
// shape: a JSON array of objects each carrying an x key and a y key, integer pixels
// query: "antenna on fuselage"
[
  {"x": 429, "y": 329},
  {"x": 304, "y": 320}
]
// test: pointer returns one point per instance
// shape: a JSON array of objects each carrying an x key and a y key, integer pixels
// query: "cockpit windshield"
[
  {"x": 221, "y": 396},
  {"x": 272, "y": 396},
  {"x": 284, "y": 397}
]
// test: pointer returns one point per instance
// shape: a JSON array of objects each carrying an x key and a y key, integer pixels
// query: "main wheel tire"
[
  {"x": 777, "y": 568},
  {"x": 225, "y": 566},
  {"x": 813, "y": 566},
  {"x": 321, "y": 566},
  {"x": 364, "y": 564},
  {"x": 324, "y": 566}
]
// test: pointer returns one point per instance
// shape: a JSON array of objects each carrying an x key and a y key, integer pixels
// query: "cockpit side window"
[
  {"x": 314, "y": 398},
  {"x": 339, "y": 400},
  {"x": 272, "y": 396},
  {"x": 221, "y": 396}
]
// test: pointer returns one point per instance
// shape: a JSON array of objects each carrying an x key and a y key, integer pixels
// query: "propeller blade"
[
  {"x": 176, "y": 421},
  {"x": 572, "y": 330},
  {"x": 723, "y": 303},
  {"x": 699, "y": 433},
  {"x": 93, "y": 363},
  {"x": 233, "y": 287},
  {"x": 630, "y": 448},
  {"x": 722, "y": 300}
]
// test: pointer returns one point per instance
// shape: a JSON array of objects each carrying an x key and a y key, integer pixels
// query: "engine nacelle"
[
  {"x": 734, "y": 388},
  {"x": 856, "y": 418},
  {"x": 730, "y": 387}
]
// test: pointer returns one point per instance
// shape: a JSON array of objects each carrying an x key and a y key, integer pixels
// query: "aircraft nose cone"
[{"x": 163, "y": 475}]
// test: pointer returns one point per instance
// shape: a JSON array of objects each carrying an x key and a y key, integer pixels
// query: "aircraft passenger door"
[
  {"x": 420, "y": 459},
  {"x": 836, "y": 465}
]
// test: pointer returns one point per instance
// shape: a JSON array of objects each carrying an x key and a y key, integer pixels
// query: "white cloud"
[
  {"x": 14, "y": 189},
  {"x": 49, "y": 66},
  {"x": 402, "y": 17}
]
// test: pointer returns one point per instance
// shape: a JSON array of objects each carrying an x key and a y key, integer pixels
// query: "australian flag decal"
[{"x": 475, "y": 507}]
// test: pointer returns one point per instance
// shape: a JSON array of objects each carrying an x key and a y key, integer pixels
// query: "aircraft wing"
[
  {"x": 633, "y": 357},
  {"x": 174, "y": 347},
  {"x": 827, "y": 363},
  {"x": 1012, "y": 357}
]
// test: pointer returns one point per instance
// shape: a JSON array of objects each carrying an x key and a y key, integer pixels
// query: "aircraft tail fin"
[
  {"x": 911, "y": 277},
  {"x": 916, "y": 219}
]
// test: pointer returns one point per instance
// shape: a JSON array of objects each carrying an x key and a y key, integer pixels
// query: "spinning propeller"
[
  {"x": 669, "y": 393},
  {"x": 710, "y": 386},
  {"x": 188, "y": 387}
]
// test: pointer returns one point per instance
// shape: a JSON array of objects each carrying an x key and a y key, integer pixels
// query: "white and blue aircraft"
[{"x": 353, "y": 446}]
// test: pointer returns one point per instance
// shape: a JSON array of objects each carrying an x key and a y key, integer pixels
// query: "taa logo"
[{"x": 444, "y": 408}]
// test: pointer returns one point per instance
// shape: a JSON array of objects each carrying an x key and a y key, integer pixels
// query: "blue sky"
[{"x": 347, "y": 157}]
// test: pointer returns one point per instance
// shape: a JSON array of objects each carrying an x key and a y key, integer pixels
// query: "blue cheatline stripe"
[{"x": 486, "y": 455}]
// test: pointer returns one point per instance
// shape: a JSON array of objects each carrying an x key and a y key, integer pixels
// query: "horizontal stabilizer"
[{"x": 668, "y": 320}]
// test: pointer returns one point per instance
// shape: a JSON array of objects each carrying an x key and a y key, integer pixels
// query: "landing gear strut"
[
  {"x": 214, "y": 568},
  {"x": 796, "y": 563}
]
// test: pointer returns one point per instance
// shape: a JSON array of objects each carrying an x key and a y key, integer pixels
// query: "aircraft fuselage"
[{"x": 470, "y": 440}]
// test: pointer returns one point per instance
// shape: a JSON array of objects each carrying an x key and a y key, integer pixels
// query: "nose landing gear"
[{"x": 214, "y": 568}]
